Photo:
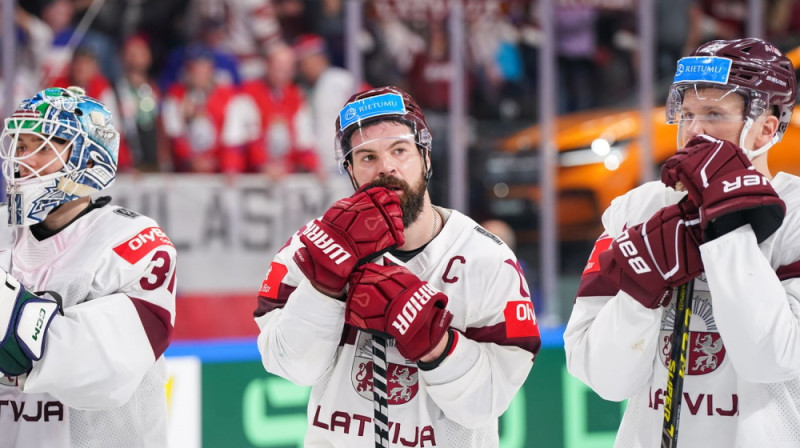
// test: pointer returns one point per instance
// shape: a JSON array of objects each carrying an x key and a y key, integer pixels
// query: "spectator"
[
  {"x": 84, "y": 72},
  {"x": 328, "y": 88},
  {"x": 431, "y": 71},
  {"x": 250, "y": 28},
  {"x": 576, "y": 46},
  {"x": 33, "y": 40},
  {"x": 139, "y": 99},
  {"x": 285, "y": 143},
  {"x": 722, "y": 19},
  {"x": 203, "y": 121},
  {"x": 210, "y": 34},
  {"x": 59, "y": 16}
]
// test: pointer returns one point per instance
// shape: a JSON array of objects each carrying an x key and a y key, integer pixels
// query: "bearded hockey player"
[
  {"x": 88, "y": 298},
  {"x": 721, "y": 219},
  {"x": 385, "y": 263}
]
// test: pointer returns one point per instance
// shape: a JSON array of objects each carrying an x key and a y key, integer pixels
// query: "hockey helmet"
[
  {"x": 380, "y": 104},
  {"x": 749, "y": 67},
  {"x": 79, "y": 131}
]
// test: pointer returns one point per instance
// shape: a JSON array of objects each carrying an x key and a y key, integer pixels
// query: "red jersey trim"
[
  {"x": 142, "y": 244},
  {"x": 272, "y": 281},
  {"x": 520, "y": 319},
  {"x": 601, "y": 245}
]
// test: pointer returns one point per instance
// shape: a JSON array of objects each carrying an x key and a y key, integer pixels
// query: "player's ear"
[{"x": 767, "y": 129}]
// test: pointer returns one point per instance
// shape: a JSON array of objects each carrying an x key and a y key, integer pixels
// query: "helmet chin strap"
[{"x": 748, "y": 124}]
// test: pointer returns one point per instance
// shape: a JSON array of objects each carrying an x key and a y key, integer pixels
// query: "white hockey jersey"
[
  {"x": 742, "y": 387},
  {"x": 101, "y": 380},
  {"x": 304, "y": 339}
]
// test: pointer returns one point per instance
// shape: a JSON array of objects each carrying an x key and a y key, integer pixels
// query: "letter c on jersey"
[{"x": 447, "y": 278}]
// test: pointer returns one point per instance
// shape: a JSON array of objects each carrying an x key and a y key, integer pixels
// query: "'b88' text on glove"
[
  {"x": 24, "y": 320},
  {"x": 731, "y": 193},
  {"x": 391, "y": 300},
  {"x": 648, "y": 259},
  {"x": 353, "y": 231}
]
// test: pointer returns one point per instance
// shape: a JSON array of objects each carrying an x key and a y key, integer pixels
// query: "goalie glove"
[
  {"x": 24, "y": 320},
  {"x": 353, "y": 231}
]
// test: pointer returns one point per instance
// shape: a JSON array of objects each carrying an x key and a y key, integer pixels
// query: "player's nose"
[{"x": 386, "y": 166}]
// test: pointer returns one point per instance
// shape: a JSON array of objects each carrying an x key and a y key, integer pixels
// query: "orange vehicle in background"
[{"x": 598, "y": 159}]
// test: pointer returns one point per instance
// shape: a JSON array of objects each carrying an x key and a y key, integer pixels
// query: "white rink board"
[
  {"x": 184, "y": 402},
  {"x": 227, "y": 229}
]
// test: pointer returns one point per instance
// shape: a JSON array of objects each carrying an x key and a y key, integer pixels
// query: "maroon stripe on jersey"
[
  {"x": 497, "y": 334},
  {"x": 265, "y": 304},
  {"x": 595, "y": 284},
  {"x": 788, "y": 271},
  {"x": 156, "y": 323}
]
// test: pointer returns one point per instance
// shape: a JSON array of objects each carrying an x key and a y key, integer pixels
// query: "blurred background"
[{"x": 541, "y": 113}]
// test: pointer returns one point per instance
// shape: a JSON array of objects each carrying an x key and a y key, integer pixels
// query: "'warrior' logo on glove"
[
  {"x": 322, "y": 240},
  {"x": 410, "y": 310}
]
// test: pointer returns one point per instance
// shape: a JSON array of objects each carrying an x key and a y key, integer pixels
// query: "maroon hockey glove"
[
  {"x": 391, "y": 300},
  {"x": 649, "y": 259},
  {"x": 353, "y": 231},
  {"x": 718, "y": 175}
]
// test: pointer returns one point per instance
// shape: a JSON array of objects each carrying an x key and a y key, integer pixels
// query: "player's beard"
[{"x": 412, "y": 199}]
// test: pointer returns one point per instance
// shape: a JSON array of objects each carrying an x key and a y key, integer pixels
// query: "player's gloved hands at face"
[
  {"x": 719, "y": 176},
  {"x": 392, "y": 301},
  {"x": 648, "y": 260},
  {"x": 353, "y": 231},
  {"x": 24, "y": 320}
]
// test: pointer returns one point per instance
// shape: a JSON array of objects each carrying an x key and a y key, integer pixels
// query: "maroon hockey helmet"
[
  {"x": 375, "y": 105},
  {"x": 751, "y": 67}
]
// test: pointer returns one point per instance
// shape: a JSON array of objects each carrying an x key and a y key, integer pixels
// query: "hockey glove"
[
  {"x": 648, "y": 260},
  {"x": 719, "y": 177},
  {"x": 24, "y": 320},
  {"x": 392, "y": 301},
  {"x": 353, "y": 231}
]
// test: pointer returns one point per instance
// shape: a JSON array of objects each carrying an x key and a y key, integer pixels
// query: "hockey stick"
[
  {"x": 380, "y": 415},
  {"x": 677, "y": 366}
]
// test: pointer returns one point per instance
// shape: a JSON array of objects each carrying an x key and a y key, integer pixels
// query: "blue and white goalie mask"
[{"x": 58, "y": 146}]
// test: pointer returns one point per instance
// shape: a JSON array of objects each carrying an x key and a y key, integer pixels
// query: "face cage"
[
  {"x": 755, "y": 104},
  {"x": 12, "y": 162},
  {"x": 421, "y": 139}
]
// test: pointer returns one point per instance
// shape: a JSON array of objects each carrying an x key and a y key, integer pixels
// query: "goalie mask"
[
  {"x": 751, "y": 68},
  {"x": 381, "y": 104},
  {"x": 66, "y": 129}
]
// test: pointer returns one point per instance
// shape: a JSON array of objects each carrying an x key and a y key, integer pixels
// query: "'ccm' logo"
[
  {"x": 321, "y": 239},
  {"x": 748, "y": 180},
  {"x": 410, "y": 310},
  {"x": 39, "y": 323},
  {"x": 628, "y": 249}
]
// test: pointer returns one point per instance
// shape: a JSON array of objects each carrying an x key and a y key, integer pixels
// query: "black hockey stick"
[
  {"x": 380, "y": 415},
  {"x": 677, "y": 366}
]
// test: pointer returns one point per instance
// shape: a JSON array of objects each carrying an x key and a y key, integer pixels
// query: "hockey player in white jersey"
[
  {"x": 720, "y": 218},
  {"x": 87, "y": 300},
  {"x": 450, "y": 296}
]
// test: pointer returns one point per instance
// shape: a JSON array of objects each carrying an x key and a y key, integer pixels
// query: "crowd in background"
[{"x": 254, "y": 86}]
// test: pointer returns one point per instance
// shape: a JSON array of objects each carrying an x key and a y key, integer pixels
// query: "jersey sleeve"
[
  {"x": 97, "y": 353},
  {"x": 491, "y": 357},
  {"x": 757, "y": 309},
  {"x": 610, "y": 338},
  {"x": 291, "y": 313}
]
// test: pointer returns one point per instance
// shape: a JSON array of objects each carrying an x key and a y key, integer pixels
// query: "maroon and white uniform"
[
  {"x": 742, "y": 387},
  {"x": 101, "y": 380},
  {"x": 457, "y": 404}
]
